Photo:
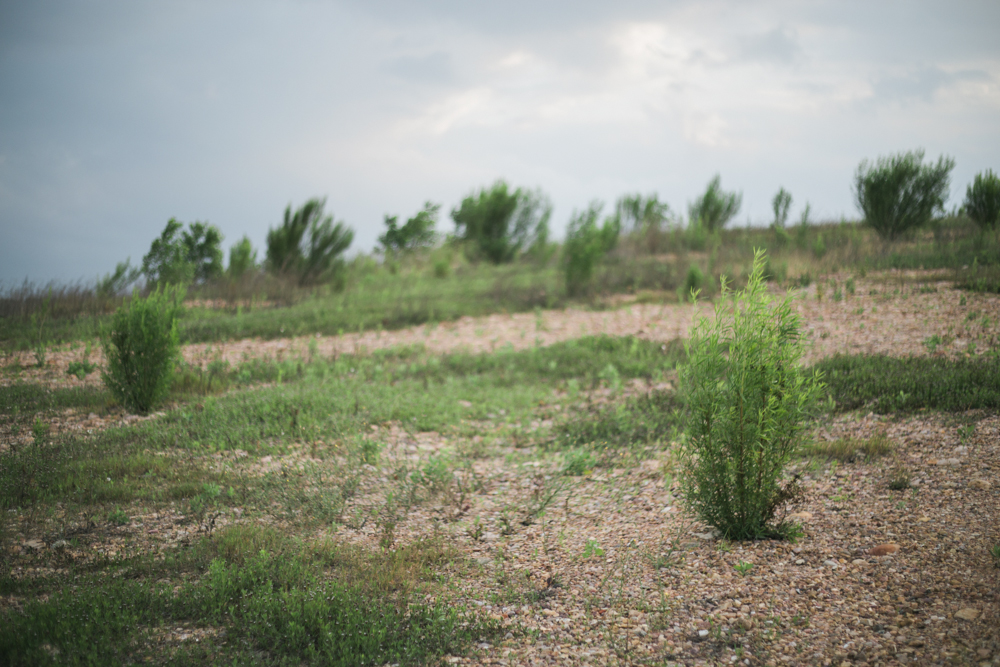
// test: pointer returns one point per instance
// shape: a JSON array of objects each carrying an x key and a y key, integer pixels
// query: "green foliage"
[
  {"x": 694, "y": 281},
  {"x": 743, "y": 568},
  {"x": 500, "y": 223},
  {"x": 275, "y": 607},
  {"x": 141, "y": 348},
  {"x": 746, "y": 399},
  {"x": 585, "y": 245},
  {"x": 242, "y": 258},
  {"x": 899, "y": 193},
  {"x": 889, "y": 384},
  {"x": 982, "y": 200},
  {"x": 578, "y": 462},
  {"x": 781, "y": 203},
  {"x": 113, "y": 284},
  {"x": 637, "y": 214},
  {"x": 308, "y": 245},
  {"x": 81, "y": 368},
  {"x": 636, "y": 422},
  {"x": 418, "y": 231},
  {"x": 180, "y": 256},
  {"x": 716, "y": 207}
]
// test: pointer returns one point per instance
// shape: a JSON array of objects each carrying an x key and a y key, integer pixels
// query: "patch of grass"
[
  {"x": 25, "y": 398},
  {"x": 275, "y": 609},
  {"x": 635, "y": 422},
  {"x": 890, "y": 384},
  {"x": 847, "y": 450}
]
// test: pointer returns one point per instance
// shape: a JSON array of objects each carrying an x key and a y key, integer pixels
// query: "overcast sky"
[{"x": 116, "y": 116}]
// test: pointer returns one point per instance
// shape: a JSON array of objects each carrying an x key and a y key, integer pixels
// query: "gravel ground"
[{"x": 613, "y": 572}]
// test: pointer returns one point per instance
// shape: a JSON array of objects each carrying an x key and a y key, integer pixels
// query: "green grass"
[
  {"x": 888, "y": 384},
  {"x": 266, "y": 608}
]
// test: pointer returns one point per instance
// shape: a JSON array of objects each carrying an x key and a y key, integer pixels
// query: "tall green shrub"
[
  {"x": 500, "y": 223},
  {"x": 716, "y": 207},
  {"x": 141, "y": 348},
  {"x": 899, "y": 193},
  {"x": 308, "y": 244},
  {"x": 586, "y": 244},
  {"x": 746, "y": 398},
  {"x": 982, "y": 200}
]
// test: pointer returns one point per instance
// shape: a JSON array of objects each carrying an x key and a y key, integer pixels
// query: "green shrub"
[
  {"x": 313, "y": 258},
  {"x": 781, "y": 203},
  {"x": 746, "y": 400},
  {"x": 693, "y": 282},
  {"x": 417, "y": 232},
  {"x": 141, "y": 348},
  {"x": 899, "y": 193},
  {"x": 982, "y": 200},
  {"x": 586, "y": 244},
  {"x": 499, "y": 224},
  {"x": 716, "y": 207}
]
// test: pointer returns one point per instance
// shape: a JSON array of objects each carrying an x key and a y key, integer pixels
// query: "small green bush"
[
  {"x": 693, "y": 282},
  {"x": 141, "y": 348},
  {"x": 746, "y": 400},
  {"x": 982, "y": 200},
  {"x": 586, "y": 244}
]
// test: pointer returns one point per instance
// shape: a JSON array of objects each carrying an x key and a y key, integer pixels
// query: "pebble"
[
  {"x": 884, "y": 549},
  {"x": 801, "y": 516},
  {"x": 967, "y": 614},
  {"x": 949, "y": 462},
  {"x": 859, "y": 561},
  {"x": 980, "y": 484},
  {"x": 832, "y": 564},
  {"x": 59, "y": 545}
]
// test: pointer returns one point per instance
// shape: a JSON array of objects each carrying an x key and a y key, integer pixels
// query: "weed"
[
  {"x": 592, "y": 549},
  {"x": 578, "y": 462},
  {"x": 995, "y": 554},
  {"x": 900, "y": 479},
  {"x": 743, "y": 568},
  {"x": 118, "y": 517},
  {"x": 932, "y": 343}
]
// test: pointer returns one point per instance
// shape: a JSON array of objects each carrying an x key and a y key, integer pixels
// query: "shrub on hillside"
[
  {"x": 586, "y": 244},
  {"x": 141, "y": 347},
  {"x": 899, "y": 193},
  {"x": 181, "y": 256},
  {"x": 716, "y": 207},
  {"x": 500, "y": 223},
  {"x": 417, "y": 232},
  {"x": 746, "y": 399},
  {"x": 982, "y": 200},
  {"x": 313, "y": 257}
]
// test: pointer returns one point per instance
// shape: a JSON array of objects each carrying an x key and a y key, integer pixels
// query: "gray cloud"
[
  {"x": 431, "y": 68},
  {"x": 778, "y": 45},
  {"x": 921, "y": 84}
]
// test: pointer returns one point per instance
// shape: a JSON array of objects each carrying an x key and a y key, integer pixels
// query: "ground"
[{"x": 605, "y": 566}]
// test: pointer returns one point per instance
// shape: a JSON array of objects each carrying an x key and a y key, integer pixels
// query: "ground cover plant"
[{"x": 519, "y": 503}]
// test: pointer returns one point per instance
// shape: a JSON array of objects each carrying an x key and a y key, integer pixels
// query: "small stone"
[
  {"x": 884, "y": 549},
  {"x": 832, "y": 564},
  {"x": 979, "y": 484},
  {"x": 801, "y": 516},
  {"x": 800, "y": 561},
  {"x": 37, "y": 545},
  {"x": 465, "y": 404},
  {"x": 967, "y": 614},
  {"x": 703, "y": 633},
  {"x": 60, "y": 545},
  {"x": 949, "y": 462},
  {"x": 490, "y": 537},
  {"x": 859, "y": 561},
  {"x": 916, "y": 643},
  {"x": 983, "y": 653}
]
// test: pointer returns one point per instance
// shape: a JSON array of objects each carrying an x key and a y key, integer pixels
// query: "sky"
[{"x": 117, "y": 116}]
